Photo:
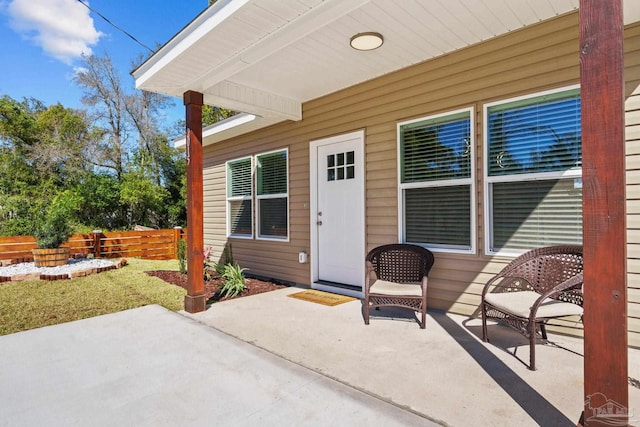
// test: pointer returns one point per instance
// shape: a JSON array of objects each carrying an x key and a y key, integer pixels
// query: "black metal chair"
[
  {"x": 537, "y": 286},
  {"x": 397, "y": 276}
]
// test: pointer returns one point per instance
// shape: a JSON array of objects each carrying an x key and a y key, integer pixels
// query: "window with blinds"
[
  {"x": 272, "y": 194},
  {"x": 533, "y": 174},
  {"x": 239, "y": 198},
  {"x": 436, "y": 181}
]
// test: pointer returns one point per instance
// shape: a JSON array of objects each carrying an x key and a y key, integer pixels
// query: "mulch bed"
[{"x": 212, "y": 287}]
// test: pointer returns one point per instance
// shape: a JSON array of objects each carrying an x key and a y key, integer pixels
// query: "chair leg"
[
  {"x": 543, "y": 330},
  {"x": 485, "y": 338},
  {"x": 532, "y": 346},
  {"x": 365, "y": 311},
  {"x": 424, "y": 318}
]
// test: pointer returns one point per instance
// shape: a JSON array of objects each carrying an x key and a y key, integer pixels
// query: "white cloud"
[
  {"x": 62, "y": 28},
  {"x": 79, "y": 70}
]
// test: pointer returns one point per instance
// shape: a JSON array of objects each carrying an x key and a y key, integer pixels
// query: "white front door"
[{"x": 337, "y": 213}]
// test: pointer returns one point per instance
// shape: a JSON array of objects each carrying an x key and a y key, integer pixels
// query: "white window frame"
[
  {"x": 255, "y": 199},
  {"x": 471, "y": 181},
  {"x": 271, "y": 196},
  {"x": 489, "y": 180},
  {"x": 229, "y": 199}
]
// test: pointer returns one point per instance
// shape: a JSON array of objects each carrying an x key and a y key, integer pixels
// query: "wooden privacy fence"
[{"x": 146, "y": 244}]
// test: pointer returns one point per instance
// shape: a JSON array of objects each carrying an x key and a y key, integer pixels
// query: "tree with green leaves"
[
  {"x": 212, "y": 114},
  {"x": 133, "y": 145},
  {"x": 114, "y": 160},
  {"x": 41, "y": 155}
]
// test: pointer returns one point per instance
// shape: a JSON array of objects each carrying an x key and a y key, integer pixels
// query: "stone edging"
[{"x": 72, "y": 275}]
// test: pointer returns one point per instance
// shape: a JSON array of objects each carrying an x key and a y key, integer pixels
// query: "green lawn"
[{"x": 33, "y": 304}]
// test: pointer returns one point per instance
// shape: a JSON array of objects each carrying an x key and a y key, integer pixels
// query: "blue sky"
[{"x": 41, "y": 42}]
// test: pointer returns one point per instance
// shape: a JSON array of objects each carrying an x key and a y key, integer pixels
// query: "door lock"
[{"x": 319, "y": 223}]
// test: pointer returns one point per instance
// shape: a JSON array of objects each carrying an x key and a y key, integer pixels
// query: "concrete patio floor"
[
  {"x": 153, "y": 367},
  {"x": 444, "y": 372},
  {"x": 273, "y": 360}
]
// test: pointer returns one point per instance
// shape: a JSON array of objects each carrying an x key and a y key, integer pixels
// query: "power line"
[{"x": 115, "y": 26}]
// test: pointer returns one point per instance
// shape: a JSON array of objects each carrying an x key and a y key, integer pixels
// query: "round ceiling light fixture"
[{"x": 366, "y": 41}]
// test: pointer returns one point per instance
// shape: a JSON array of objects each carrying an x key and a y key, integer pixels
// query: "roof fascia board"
[
  {"x": 237, "y": 125},
  {"x": 221, "y": 126},
  {"x": 207, "y": 21}
]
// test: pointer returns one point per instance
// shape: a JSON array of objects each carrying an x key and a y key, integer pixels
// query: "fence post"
[
  {"x": 177, "y": 235},
  {"x": 96, "y": 243}
]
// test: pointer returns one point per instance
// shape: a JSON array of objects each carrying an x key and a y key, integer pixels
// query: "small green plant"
[
  {"x": 182, "y": 256},
  {"x": 234, "y": 281},
  {"x": 225, "y": 259},
  {"x": 208, "y": 266},
  {"x": 55, "y": 228},
  {"x": 218, "y": 268}
]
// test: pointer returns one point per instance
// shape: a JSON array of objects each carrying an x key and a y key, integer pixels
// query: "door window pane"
[{"x": 341, "y": 166}]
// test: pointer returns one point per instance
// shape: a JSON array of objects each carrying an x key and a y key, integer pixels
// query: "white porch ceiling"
[{"x": 267, "y": 57}]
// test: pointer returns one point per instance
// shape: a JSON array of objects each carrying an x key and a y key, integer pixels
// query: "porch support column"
[
  {"x": 604, "y": 207},
  {"x": 195, "y": 301}
]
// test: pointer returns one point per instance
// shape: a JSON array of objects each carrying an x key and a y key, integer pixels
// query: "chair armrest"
[
  {"x": 369, "y": 266},
  {"x": 369, "y": 279},
  {"x": 573, "y": 282}
]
